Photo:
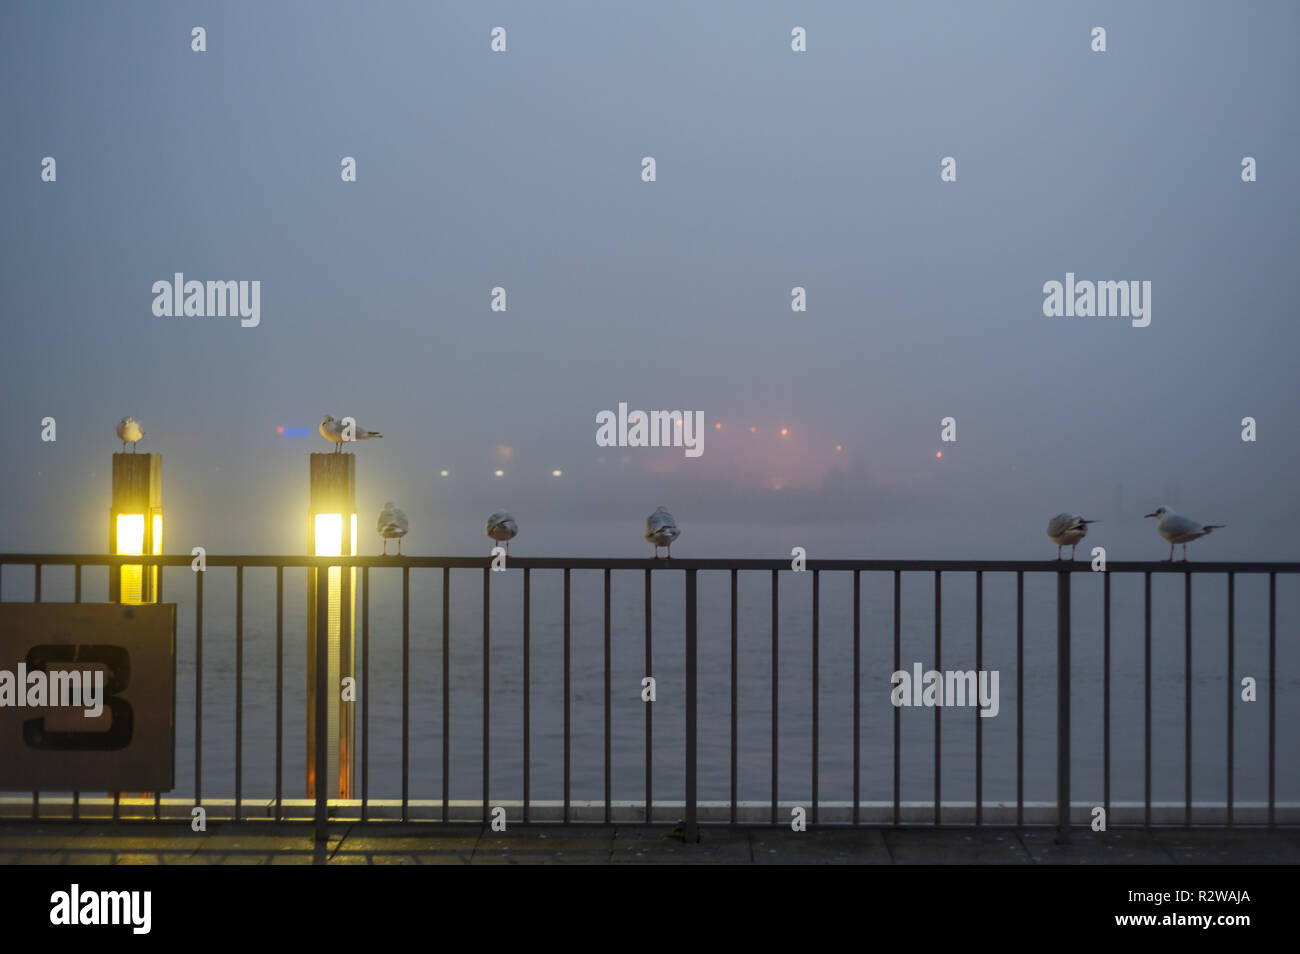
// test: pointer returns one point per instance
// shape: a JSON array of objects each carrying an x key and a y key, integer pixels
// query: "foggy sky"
[{"x": 775, "y": 169}]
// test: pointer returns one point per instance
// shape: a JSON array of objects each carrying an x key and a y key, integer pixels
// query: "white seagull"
[
  {"x": 128, "y": 431},
  {"x": 332, "y": 430},
  {"x": 502, "y": 528},
  {"x": 392, "y": 525},
  {"x": 1066, "y": 530},
  {"x": 661, "y": 530},
  {"x": 1179, "y": 529}
]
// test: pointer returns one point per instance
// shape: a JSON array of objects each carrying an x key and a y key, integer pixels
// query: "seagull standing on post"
[
  {"x": 661, "y": 530},
  {"x": 332, "y": 430},
  {"x": 128, "y": 431},
  {"x": 1066, "y": 530},
  {"x": 392, "y": 525},
  {"x": 1176, "y": 529},
  {"x": 502, "y": 528}
]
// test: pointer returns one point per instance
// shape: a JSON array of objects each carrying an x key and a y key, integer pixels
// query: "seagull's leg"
[
  {"x": 385, "y": 546},
  {"x": 1171, "y": 555},
  {"x": 399, "y": 546},
  {"x": 1072, "y": 549},
  {"x": 1184, "y": 553}
]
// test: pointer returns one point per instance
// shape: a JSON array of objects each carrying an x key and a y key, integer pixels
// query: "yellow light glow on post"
[
  {"x": 329, "y": 534},
  {"x": 130, "y": 542}
]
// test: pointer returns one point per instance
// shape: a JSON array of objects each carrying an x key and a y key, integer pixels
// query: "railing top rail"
[{"x": 628, "y": 563}]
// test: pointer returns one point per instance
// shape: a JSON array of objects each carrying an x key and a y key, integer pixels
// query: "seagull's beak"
[{"x": 1148, "y": 515}]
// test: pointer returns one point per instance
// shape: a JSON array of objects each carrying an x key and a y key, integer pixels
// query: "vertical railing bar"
[
  {"x": 1105, "y": 693},
  {"x": 1231, "y": 681},
  {"x": 528, "y": 583},
  {"x": 649, "y": 711},
  {"x": 816, "y": 672},
  {"x": 365, "y": 692},
  {"x": 1272, "y": 697},
  {"x": 608, "y": 734},
  {"x": 1063, "y": 707},
  {"x": 36, "y": 796},
  {"x": 446, "y": 694},
  {"x": 76, "y": 596},
  {"x": 775, "y": 695},
  {"x": 279, "y": 692},
  {"x": 487, "y": 689},
  {"x": 1020, "y": 697},
  {"x": 567, "y": 690},
  {"x": 690, "y": 826},
  {"x": 1187, "y": 700},
  {"x": 979, "y": 720},
  {"x": 1146, "y": 624},
  {"x": 239, "y": 690},
  {"x": 857, "y": 695},
  {"x": 938, "y": 710},
  {"x": 735, "y": 697},
  {"x": 406, "y": 690},
  {"x": 320, "y": 782},
  {"x": 198, "y": 691},
  {"x": 898, "y": 644}
]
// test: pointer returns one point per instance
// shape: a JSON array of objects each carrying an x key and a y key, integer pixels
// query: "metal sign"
[{"x": 87, "y": 697}]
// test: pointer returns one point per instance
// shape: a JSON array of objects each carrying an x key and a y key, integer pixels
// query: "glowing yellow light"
[
  {"x": 329, "y": 534},
  {"x": 785, "y": 431},
  {"x": 130, "y": 542}
]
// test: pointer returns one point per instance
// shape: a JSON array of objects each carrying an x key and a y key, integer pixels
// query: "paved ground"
[{"x": 379, "y": 843}]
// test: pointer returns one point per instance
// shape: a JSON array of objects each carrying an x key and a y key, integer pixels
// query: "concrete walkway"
[{"x": 380, "y": 843}]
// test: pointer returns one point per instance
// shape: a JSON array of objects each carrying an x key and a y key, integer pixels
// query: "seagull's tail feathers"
[
  {"x": 368, "y": 435},
  {"x": 1213, "y": 526}
]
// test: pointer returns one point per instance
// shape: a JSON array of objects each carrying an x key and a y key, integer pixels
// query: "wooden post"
[
  {"x": 332, "y": 491},
  {"x": 137, "y": 489}
]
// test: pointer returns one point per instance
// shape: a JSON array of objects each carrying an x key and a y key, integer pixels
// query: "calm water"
[{"x": 1209, "y": 689}]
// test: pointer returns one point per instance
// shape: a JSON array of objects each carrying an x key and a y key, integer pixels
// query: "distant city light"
[
  {"x": 280, "y": 429},
  {"x": 293, "y": 431},
  {"x": 718, "y": 426},
  {"x": 499, "y": 473},
  {"x": 557, "y": 473},
  {"x": 442, "y": 473},
  {"x": 785, "y": 431},
  {"x": 839, "y": 447},
  {"x": 753, "y": 430},
  {"x": 938, "y": 454}
]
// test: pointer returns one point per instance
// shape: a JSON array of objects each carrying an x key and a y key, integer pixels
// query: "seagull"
[
  {"x": 1066, "y": 530},
  {"x": 128, "y": 431},
  {"x": 1179, "y": 529},
  {"x": 392, "y": 525},
  {"x": 661, "y": 530},
  {"x": 501, "y": 527},
  {"x": 332, "y": 430}
]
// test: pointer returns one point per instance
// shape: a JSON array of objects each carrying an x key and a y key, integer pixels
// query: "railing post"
[
  {"x": 1063, "y": 707},
  {"x": 322, "y": 704},
  {"x": 691, "y": 826}
]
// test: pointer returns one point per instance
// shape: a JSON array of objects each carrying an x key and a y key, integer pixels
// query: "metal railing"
[{"x": 1063, "y": 572}]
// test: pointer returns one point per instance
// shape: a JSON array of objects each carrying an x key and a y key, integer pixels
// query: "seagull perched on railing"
[
  {"x": 392, "y": 525},
  {"x": 661, "y": 530},
  {"x": 332, "y": 430},
  {"x": 128, "y": 431},
  {"x": 1179, "y": 529},
  {"x": 1066, "y": 530},
  {"x": 502, "y": 528}
]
